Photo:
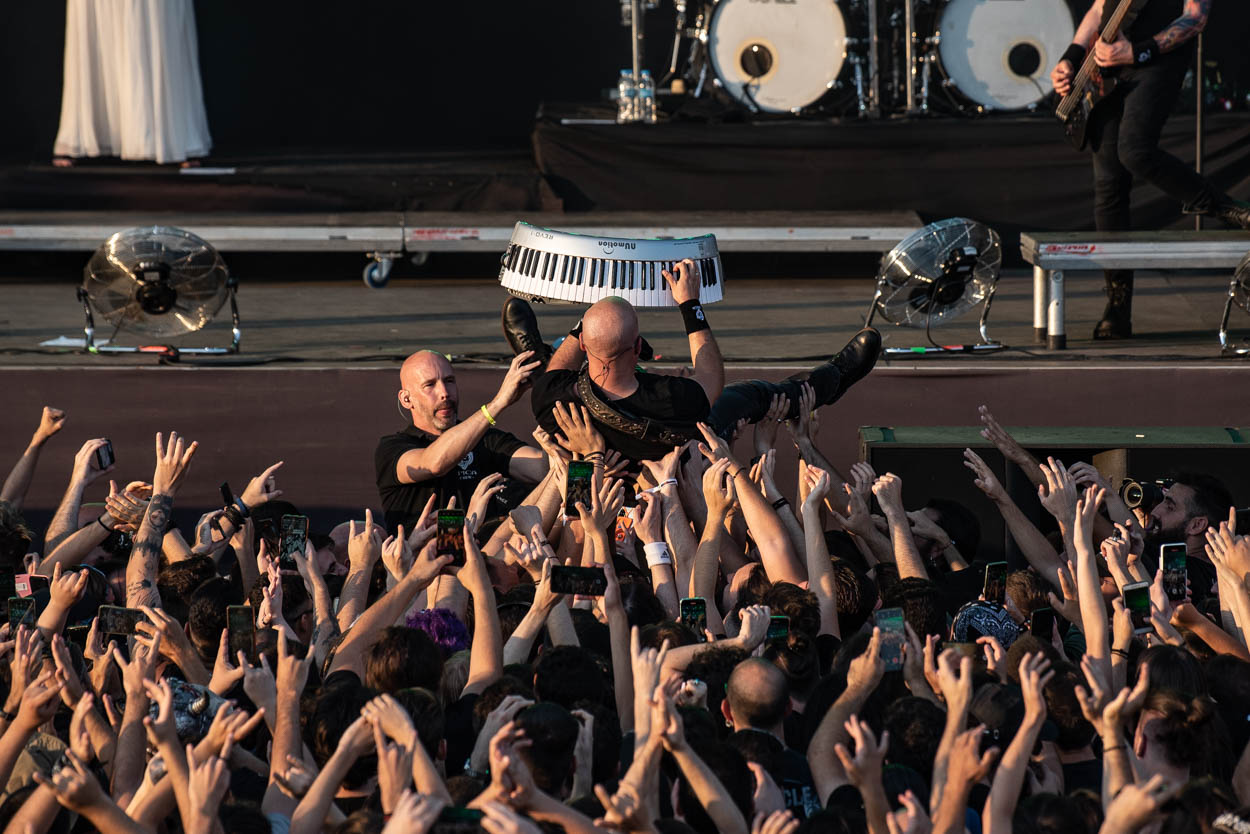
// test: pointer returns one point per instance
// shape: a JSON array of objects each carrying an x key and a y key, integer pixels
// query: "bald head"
[
  {"x": 609, "y": 328},
  {"x": 758, "y": 694},
  {"x": 428, "y": 391}
]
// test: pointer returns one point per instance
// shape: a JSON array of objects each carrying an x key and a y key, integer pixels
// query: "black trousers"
[
  {"x": 750, "y": 400},
  {"x": 1124, "y": 136}
]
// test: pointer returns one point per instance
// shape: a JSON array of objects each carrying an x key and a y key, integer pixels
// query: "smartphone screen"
[
  {"x": 116, "y": 620},
  {"x": 1175, "y": 573},
  {"x": 458, "y": 821},
  {"x": 587, "y": 582},
  {"x": 1137, "y": 601},
  {"x": 624, "y": 527},
  {"x": 1042, "y": 624},
  {"x": 778, "y": 627},
  {"x": 971, "y": 650},
  {"x": 77, "y": 635},
  {"x": 693, "y": 612},
  {"x": 104, "y": 455},
  {"x": 451, "y": 536},
  {"x": 21, "y": 612},
  {"x": 578, "y": 486},
  {"x": 893, "y": 637},
  {"x": 241, "y": 632},
  {"x": 294, "y": 537},
  {"x": 995, "y": 587}
]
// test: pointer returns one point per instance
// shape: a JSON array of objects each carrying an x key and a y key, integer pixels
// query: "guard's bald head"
[
  {"x": 428, "y": 391},
  {"x": 758, "y": 694},
  {"x": 609, "y": 328}
]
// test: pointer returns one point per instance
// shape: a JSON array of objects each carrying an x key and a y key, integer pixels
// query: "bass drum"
[
  {"x": 777, "y": 57},
  {"x": 999, "y": 53}
]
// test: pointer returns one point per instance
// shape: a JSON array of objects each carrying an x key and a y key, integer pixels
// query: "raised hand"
[
  {"x": 207, "y": 782},
  {"x": 126, "y": 508},
  {"x": 605, "y": 505},
  {"x": 818, "y": 488},
  {"x": 75, "y": 787},
  {"x": 718, "y": 489},
  {"x": 1086, "y": 511},
  {"x": 766, "y": 429},
  {"x": 479, "y": 503},
  {"x": 66, "y": 588},
  {"x": 954, "y": 675},
  {"x": 865, "y": 671},
  {"x": 685, "y": 286},
  {"x": 889, "y": 491},
  {"x": 161, "y": 729},
  {"x": 985, "y": 479},
  {"x": 38, "y": 702},
  {"x": 1059, "y": 492},
  {"x": 85, "y": 470},
  {"x": 1035, "y": 673},
  {"x": 1004, "y": 442},
  {"x": 501, "y": 716},
  {"x": 577, "y": 432},
  {"x": 262, "y": 488},
  {"x": 414, "y": 814},
  {"x": 364, "y": 545},
  {"x": 172, "y": 461},
  {"x": 804, "y": 426},
  {"x": 714, "y": 447},
  {"x": 389, "y": 716},
  {"x": 864, "y": 767},
  {"x": 909, "y": 819},
  {"x": 394, "y": 769},
  {"x": 518, "y": 378},
  {"x": 1136, "y": 804},
  {"x": 863, "y": 476},
  {"x": 51, "y": 421}
]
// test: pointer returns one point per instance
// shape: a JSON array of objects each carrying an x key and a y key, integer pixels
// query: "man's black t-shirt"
[
  {"x": 676, "y": 402},
  {"x": 403, "y": 503},
  {"x": 1152, "y": 18}
]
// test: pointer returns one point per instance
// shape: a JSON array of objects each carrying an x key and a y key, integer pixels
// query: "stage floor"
[{"x": 764, "y": 321}]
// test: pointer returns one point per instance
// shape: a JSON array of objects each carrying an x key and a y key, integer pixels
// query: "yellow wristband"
[{"x": 486, "y": 414}]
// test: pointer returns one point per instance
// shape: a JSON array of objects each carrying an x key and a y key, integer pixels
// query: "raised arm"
[
  {"x": 486, "y": 652},
  {"x": 1036, "y": 549},
  {"x": 862, "y": 678},
  {"x": 889, "y": 492},
  {"x": 703, "y": 782},
  {"x": 1007, "y": 445},
  {"x": 709, "y": 367},
  {"x": 449, "y": 448},
  {"x": 172, "y": 460},
  {"x": 84, "y": 473},
  {"x": 14, "y": 490},
  {"x": 819, "y": 569},
  {"x": 1093, "y": 609},
  {"x": 1035, "y": 673},
  {"x": 1192, "y": 21}
]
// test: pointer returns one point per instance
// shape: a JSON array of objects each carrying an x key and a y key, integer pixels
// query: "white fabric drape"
[{"x": 132, "y": 82}]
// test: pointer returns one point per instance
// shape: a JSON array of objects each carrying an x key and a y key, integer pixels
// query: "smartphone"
[
  {"x": 458, "y": 821},
  {"x": 227, "y": 496},
  {"x": 971, "y": 650},
  {"x": 294, "y": 537},
  {"x": 115, "y": 620},
  {"x": 39, "y": 582},
  {"x": 104, "y": 455},
  {"x": 1137, "y": 601},
  {"x": 893, "y": 636},
  {"x": 693, "y": 613},
  {"x": 268, "y": 532},
  {"x": 451, "y": 536},
  {"x": 778, "y": 627},
  {"x": 624, "y": 524},
  {"x": 241, "y": 632},
  {"x": 1175, "y": 573},
  {"x": 995, "y": 587},
  {"x": 77, "y": 635},
  {"x": 21, "y": 612},
  {"x": 577, "y": 486},
  {"x": 587, "y": 582},
  {"x": 1042, "y": 624},
  {"x": 21, "y": 585}
]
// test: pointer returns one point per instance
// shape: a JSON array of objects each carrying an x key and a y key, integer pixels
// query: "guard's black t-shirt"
[
  {"x": 676, "y": 402},
  {"x": 403, "y": 503}
]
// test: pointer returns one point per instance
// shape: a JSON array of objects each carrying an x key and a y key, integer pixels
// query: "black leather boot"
[
  {"x": 1117, "y": 318},
  {"x": 520, "y": 328},
  {"x": 831, "y": 379}
]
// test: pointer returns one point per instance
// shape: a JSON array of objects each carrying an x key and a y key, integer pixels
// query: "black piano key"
[
  {"x": 564, "y": 271},
  {"x": 716, "y": 276},
  {"x": 581, "y": 272},
  {"x": 632, "y": 270},
  {"x": 705, "y": 270},
  {"x": 532, "y": 267},
  {"x": 523, "y": 261},
  {"x": 550, "y": 271},
  {"x": 616, "y": 268}
]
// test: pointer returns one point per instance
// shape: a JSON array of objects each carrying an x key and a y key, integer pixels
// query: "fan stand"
[
  {"x": 986, "y": 344},
  {"x": 167, "y": 351},
  {"x": 1225, "y": 348}
]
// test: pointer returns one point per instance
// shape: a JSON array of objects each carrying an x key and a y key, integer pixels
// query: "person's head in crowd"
[
  {"x": 206, "y": 617},
  {"x": 1073, "y": 731},
  {"x": 1193, "y": 503},
  {"x": 1172, "y": 668},
  {"x": 1173, "y": 733},
  {"x": 610, "y": 335},
  {"x": 922, "y": 604},
  {"x": 746, "y": 586},
  {"x": 428, "y": 718},
  {"x": 15, "y": 538},
  {"x": 428, "y": 392},
  {"x": 915, "y": 727},
  {"x": 731, "y": 769},
  {"x": 403, "y": 657},
  {"x": 677, "y": 634},
  {"x": 713, "y": 666},
  {"x": 1048, "y": 813},
  {"x": 856, "y": 596},
  {"x": 495, "y": 694},
  {"x": 797, "y": 658},
  {"x": 455, "y": 676},
  {"x": 179, "y": 580},
  {"x": 797, "y": 604},
  {"x": 606, "y": 741},
  {"x": 758, "y": 697},
  {"x": 335, "y": 708},
  {"x": 567, "y": 674},
  {"x": 552, "y": 732},
  {"x": 442, "y": 626},
  {"x": 959, "y": 523},
  {"x": 1025, "y": 593},
  {"x": 642, "y": 606}
]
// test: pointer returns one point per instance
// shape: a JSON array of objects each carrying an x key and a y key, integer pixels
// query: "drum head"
[
  {"x": 999, "y": 53},
  {"x": 779, "y": 57}
]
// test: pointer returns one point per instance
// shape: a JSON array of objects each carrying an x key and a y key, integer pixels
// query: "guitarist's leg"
[{"x": 1112, "y": 184}]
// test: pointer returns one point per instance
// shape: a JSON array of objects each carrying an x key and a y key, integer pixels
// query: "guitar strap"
[
  {"x": 614, "y": 417},
  {"x": 1129, "y": 17}
]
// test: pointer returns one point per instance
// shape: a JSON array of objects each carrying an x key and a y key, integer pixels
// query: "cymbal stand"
[
  {"x": 874, "y": 74},
  {"x": 926, "y": 68},
  {"x": 909, "y": 56},
  {"x": 678, "y": 32}
]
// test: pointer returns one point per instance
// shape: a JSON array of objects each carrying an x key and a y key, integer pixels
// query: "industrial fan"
[
  {"x": 157, "y": 281},
  {"x": 935, "y": 275},
  {"x": 1239, "y": 294}
]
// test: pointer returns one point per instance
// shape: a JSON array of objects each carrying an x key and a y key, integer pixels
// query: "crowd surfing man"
[{"x": 736, "y": 655}]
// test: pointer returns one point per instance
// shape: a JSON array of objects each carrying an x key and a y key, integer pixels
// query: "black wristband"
[
  {"x": 243, "y": 510},
  {"x": 233, "y": 515},
  {"x": 1074, "y": 55},
  {"x": 692, "y": 316},
  {"x": 100, "y": 521},
  {"x": 1145, "y": 51},
  {"x": 780, "y": 502}
]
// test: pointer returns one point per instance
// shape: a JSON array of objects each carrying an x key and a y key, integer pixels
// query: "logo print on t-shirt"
[{"x": 467, "y": 460}]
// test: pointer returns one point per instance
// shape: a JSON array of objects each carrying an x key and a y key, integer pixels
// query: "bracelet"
[
  {"x": 233, "y": 516},
  {"x": 486, "y": 414},
  {"x": 1115, "y": 747},
  {"x": 692, "y": 316},
  {"x": 599, "y": 456},
  {"x": 100, "y": 520},
  {"x": 657, "y": 554},
  {"x": 781, "y": 502},
  {"x": 243, "y": 510},
  {"x": 736, "y": 474},
  {"x": 5, "y": 715},
  {"x": 1120, "y": 653},
  {"x": 1145, "y": 51},
  {"x": 661, "y": 485}
]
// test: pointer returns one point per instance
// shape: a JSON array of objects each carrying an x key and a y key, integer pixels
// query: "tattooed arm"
[
  {"x": 172, "y": 461},
  {"x": 1193, "y": 20}
]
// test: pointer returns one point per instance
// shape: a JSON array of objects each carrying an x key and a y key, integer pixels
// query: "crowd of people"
[{"x": 760, "y": 657}]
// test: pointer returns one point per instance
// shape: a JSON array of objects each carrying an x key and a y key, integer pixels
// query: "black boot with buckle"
[{"x": 1117, "y": 318}]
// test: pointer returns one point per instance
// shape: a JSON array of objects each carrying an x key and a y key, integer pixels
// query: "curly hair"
[{"x": 442, "y": 626}]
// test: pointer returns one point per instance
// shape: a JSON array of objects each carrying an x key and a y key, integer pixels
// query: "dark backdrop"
[{"x": 371, "y": 75}]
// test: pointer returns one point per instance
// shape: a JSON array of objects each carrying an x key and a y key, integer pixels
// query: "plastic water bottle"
[
  {"x": 646, "y": 98},
  {"x": 626, "y": 98}
]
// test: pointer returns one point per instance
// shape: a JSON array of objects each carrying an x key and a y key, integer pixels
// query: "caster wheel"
[
  {"x": 419, "y": 258},
  {"x": 377, "y": 274}
]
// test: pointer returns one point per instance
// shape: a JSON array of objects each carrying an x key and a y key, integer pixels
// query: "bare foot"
[{"x": 62, "y": 162}]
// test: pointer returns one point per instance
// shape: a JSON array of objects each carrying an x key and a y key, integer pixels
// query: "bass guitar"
[{"x": 1090, "y": 86}]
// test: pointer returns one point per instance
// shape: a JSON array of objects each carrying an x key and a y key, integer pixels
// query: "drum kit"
[{"x": 866, "y": 58}]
